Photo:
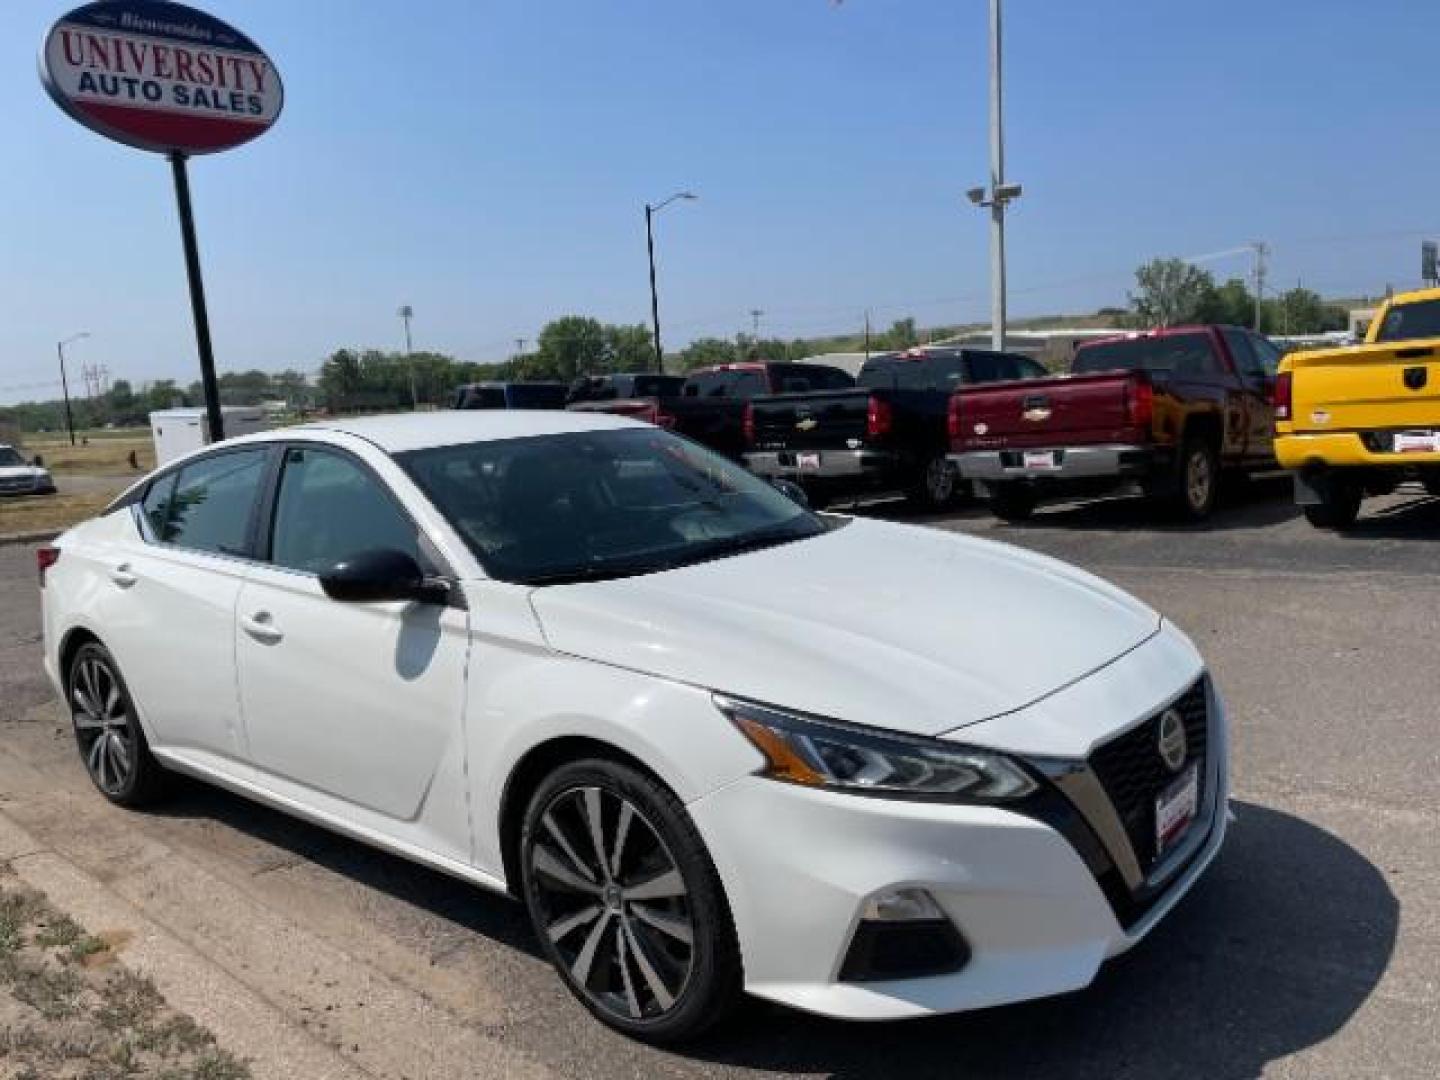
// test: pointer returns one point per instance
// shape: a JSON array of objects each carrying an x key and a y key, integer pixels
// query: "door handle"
[
  {"x": 261, "y": 627},
  {"x": 123, "y": 576}
]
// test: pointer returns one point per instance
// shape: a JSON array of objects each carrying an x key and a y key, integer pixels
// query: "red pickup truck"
[{"x": 1164, "y": 411}]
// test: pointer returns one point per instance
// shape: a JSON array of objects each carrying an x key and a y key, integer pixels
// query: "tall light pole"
[
  {"x": 65, "y": 382},
  {"x": 650, "y": 212},
  {"x": 407, "y": 313},
  {"x": 999, "y": 194}
]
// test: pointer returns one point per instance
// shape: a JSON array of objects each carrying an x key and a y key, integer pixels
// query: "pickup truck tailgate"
[
  {"x": 828, "y": 418},
  {"x": 1366, "y": 387},
  {"x": 1069, "y": 411}
]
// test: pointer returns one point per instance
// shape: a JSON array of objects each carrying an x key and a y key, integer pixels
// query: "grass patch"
[
  {"x": 100, "y": 457},
  {"x": 36, "y": 513}
]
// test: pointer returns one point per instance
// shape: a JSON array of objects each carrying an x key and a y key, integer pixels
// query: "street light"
[
  {"x": 407, "y": 313},
  {"x": 650, "y": 212},
  {"x": 999, "y": 194},
  {"x": 65, "y": 383}
]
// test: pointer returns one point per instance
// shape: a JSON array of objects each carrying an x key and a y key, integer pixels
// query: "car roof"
[
  {"x": 400, "y": 432},
  {"x": 1414, "y": 296}
]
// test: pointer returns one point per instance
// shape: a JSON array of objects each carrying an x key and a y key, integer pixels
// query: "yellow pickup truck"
[{"x": 1357, "y": 420}]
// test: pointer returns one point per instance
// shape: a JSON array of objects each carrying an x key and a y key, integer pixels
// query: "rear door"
[
  {"x": 359, "y": 702},
  {"x": 1256, "y": 361},
  {"x": 168, "y": 604}
]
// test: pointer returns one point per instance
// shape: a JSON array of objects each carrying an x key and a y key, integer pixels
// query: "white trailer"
[{"x": 178, "y": 432}]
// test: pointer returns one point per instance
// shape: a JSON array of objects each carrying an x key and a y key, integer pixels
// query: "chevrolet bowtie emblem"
[{"x": 808, "y": 424}]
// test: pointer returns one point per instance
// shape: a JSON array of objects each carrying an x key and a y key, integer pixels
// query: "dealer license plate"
[
  {"x": 1175, "y": 809},
  {"x": 1417, "y": 442},
  {"x": 1040, "y": 459},
  {"x": 807, "y": 461}
]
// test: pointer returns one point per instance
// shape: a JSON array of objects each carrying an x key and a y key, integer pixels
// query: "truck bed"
[{"x": 1066, "y": 410}]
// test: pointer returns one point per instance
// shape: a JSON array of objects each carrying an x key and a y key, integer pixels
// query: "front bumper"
[
  {"x": 1070, "y": 463},
  {"x": 833, "y": 464},
  {"x": 798, "y": 865}
]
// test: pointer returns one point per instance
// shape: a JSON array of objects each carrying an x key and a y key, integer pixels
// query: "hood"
[
  {"x": 899, "y": 627},
  {"x": 21, "y": 472}
]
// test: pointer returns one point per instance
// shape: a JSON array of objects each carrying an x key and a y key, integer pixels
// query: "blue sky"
[{"x": 487, "y": 161}]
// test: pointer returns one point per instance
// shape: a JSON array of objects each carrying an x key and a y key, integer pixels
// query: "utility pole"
[
  {"x": 407, "y": 313},
  {"x": 64, "y": 382},
  {"x": 1000, "y": 194},
  {"x": 650, "y": 212},
  {"x": 519, "y": 346},
  {"x": 867, "y": 333},
  {"x": 1261, "y": 250},
  {"x": 755, "y": 314}
]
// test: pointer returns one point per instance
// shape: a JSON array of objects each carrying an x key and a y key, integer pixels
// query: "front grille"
[
  {"x": 17, "y": 485},
  {"x": 1133, "y": 773}
]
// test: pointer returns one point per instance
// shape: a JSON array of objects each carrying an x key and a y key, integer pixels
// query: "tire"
[
  {"x": 1340, "y": 508},
  {"x": 107, "y": 731},
  {"x": 935, "y": 487},
  {"x": 1197, "y": 480},
  {"x": 1432, "y": 483},
  {"x": 661, "y": 965},
  {"x": 1012, "y": 502}
]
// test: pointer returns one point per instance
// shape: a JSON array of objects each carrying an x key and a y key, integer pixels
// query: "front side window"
[
  {"x": 10, "y": 457},
  {"x": 537, "y": 396},
  {"x": 329, "y": 509},
  {"x": 599, "y": 504},
  {"x": 212, "y": 503}
]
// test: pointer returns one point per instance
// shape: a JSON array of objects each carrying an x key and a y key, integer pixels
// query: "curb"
[
  {"x": 42, "y": 536},
  {"x": 242, "y": 1022}
]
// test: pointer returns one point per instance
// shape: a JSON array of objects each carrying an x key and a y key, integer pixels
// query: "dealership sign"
[{"x": 160, "y": 76}]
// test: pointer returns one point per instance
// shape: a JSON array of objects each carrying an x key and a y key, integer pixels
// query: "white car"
[
  {"x": 21, "y": 477},
  {"x": 713, "y": 741}
]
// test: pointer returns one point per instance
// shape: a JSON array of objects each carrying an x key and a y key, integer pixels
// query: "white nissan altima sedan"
[{"x": 715, "y": 742}]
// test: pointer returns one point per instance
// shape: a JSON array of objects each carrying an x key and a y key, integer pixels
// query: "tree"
[
  {"x": 1302, "y": 311},
  {"x": 901, "y": 335},
  {"x": 706, "y": 352},
  {"x": 1231, "y": 304},
  {"x": 572, "y": 346},
  {"x": 1169, "y": 291},
  {"x": 631, "y": 347}
]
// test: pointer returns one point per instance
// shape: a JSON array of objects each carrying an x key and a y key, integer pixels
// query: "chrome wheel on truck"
[{"x": 625, "y": 902}]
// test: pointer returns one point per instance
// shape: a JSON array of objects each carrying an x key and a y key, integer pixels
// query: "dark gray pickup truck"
[{"x": 888, "y": 434}]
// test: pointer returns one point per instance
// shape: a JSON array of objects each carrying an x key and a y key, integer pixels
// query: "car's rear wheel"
[
  {"x": 626, "y": 902},
  {"x": 1338, "y": 508},
  {"x": 1432, "y": 483},
  {"x": 937, "y": 484},
  {"x": 107, "y": 730},
  {"x": 1012, "y": 501}
]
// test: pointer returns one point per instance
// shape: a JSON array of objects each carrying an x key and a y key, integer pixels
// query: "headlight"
[{"x": 846, "y": 757}]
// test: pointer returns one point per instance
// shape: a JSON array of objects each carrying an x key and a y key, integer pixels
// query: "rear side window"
[
  {"x": 213, "y": 503},
  {"x": 329, "y": 509},
  {"x": 536, "y": 396},
  {"x": 1175, "y": 354},
  {"x": 1409, "y": 321},
  {"x": 706, "y": 384}
]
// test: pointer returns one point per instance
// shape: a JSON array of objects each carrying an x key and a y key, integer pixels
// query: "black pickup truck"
[
  {"x": 709, "y": 406},
  {"x": 888, "y": 433}
]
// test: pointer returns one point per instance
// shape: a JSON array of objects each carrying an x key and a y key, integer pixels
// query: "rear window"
[
  {"x": 1000, "y": 367},
  {"x": 481, "y": 397},
  {"x": 1176, "y": 354},
  {"x": 803, "y": 378},
  {"x": 1409, "y": 321},
  {"x": 537, "y": 396}
]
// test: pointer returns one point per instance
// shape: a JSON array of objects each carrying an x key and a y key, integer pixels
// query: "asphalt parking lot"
[{"x": 1312, "y": 948}]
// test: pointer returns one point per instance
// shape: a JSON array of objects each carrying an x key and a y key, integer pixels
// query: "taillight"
[
  {"x": 747, "y": 424},
  {"x": 1281, "y": 396},
  {"x": 952, "y": 418},
  {"x": 46, "y": 557},
  {"x": 878, "y": 418},
  {"x": 1139, "y": 402}
]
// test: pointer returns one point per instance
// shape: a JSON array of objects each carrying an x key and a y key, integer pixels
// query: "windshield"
[
  {"x": 601, "y": 504},
  {"x": 1406, "y": 322},
  {"x": 1179, "y": 354},
  {"x": 9, "y": 457}
]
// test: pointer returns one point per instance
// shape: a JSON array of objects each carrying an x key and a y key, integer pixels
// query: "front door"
[{"x": 358, "y": 701}]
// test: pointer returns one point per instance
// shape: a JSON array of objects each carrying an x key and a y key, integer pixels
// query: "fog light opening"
[{"x": 903, "y": 934}]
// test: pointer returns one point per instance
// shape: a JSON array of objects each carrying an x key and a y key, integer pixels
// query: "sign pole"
[{"x": 197, "y": 297}]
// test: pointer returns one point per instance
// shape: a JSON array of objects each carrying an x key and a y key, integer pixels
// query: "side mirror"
[
  {"x": 386, "y": 574},
  {"x": 38, "y": 461},
  {"x": 792, "y": 491}
]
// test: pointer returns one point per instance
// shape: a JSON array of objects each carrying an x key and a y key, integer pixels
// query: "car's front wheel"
[
  {"x": 626, "y": 902},
  {"x": 107, "y": 730}
]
